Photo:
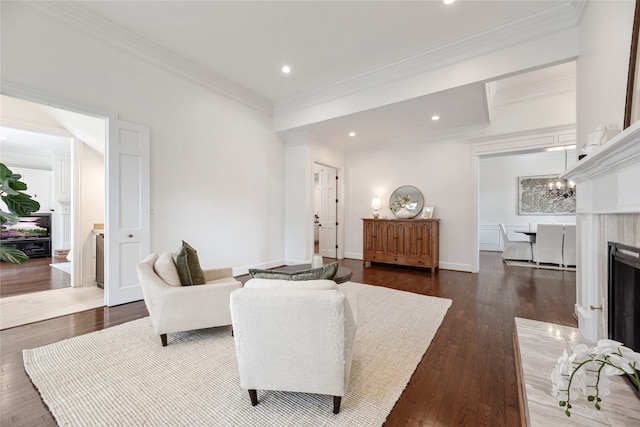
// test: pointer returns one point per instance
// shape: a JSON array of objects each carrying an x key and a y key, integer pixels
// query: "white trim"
[
  {"x": 620, "y": 152},
  {"x": 53, "y": 100},
  {"x": 532, "y": 140}
]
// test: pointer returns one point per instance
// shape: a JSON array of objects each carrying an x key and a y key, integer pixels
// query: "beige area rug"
[
  {"x": 36, "y": 306},
  {"x": 123, "y": 376},
  {"x": 534, "y": 265}
]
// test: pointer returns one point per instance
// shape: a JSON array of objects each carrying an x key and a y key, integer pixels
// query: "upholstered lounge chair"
[
  {"x": 176, "y": 308},
  {"x": 294, "y": 336}
]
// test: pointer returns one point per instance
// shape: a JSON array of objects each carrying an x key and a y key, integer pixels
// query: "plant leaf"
[
  {"x": 12, "y": 255},
  {"x": 21, "y": 204},
  {"x": 8, "y": 217},
  {"x": 5, "y": 172}
]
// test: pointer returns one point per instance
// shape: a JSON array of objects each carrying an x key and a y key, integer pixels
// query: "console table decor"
[{"x": 409, "y": 242}]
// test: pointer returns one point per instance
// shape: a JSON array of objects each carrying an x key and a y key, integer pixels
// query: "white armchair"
[
  {"x": 512, "y": 249},
  {"x": 176, "y": 308},
  {"x": 548, "y": 245},
  {"x": 294, "y": 336}
]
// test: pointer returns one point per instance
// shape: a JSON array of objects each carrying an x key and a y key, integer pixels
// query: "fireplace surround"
[
  {"x": 607, "y": 210},
  {"x": 624, "y": 297}
]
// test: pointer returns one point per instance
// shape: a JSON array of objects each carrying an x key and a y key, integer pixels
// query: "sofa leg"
[
  {"x": 336, "y": 404},
  {"x": 163, "y": 338},
  {"x": 253, "y": 395}
]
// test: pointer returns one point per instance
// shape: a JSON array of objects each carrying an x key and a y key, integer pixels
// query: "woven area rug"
[
  {"x": 534, "y": 265},
  {"x": 123, "y": 376}
]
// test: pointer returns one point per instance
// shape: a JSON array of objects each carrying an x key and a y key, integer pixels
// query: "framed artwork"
[
  {"x": 534, "y": 197},
  {"x": 427, "y": 212},
  {"x": 632, "y": 101}
]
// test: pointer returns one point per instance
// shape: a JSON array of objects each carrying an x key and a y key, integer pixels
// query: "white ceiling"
[
  {"x": 245, "y": 43},
  {"x": 324, "y": 42},
  {"x": 18, "y": 140}
]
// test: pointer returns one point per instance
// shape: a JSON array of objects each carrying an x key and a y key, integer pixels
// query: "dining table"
[{"x": 530, "y": 234}]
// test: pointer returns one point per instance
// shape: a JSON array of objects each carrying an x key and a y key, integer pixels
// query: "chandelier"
[{"x": 562, "y": 188}]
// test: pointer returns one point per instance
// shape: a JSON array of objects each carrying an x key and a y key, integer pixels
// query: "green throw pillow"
[
  {"x": 189, "y": 270},
  {"x": 325, "y": 272}
]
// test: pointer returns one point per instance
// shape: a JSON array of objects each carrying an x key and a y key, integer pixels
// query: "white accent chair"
[
  {"x": 294, "y": 336},
  {"x": 176, "y": 308},
  {"x": 569, "y": 246},
  {"x": 513, "y": 249},
  {"x": 548, "y": 245}
]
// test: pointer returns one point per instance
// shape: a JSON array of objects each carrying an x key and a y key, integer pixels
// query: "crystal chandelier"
[{"x": 562, "y": 188}]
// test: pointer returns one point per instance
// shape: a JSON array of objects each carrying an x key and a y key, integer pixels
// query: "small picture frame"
[{"x": 427, "y": 212}]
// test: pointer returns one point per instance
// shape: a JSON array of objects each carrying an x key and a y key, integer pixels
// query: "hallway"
[{"x": 35, "y": 291}]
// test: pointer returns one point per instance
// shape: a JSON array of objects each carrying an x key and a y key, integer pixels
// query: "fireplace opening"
[{"x": 624, "y": 297}]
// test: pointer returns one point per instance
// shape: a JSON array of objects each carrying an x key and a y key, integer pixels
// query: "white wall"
[
  {"x": 605, "y": 41},
  {"x": 301, "y": 153},
  {"x": 92, "y": 205},
  {"x": 498, "y": 194},
  {"x": 216, "y": 166},
  {"x": 441, "y": 170}
]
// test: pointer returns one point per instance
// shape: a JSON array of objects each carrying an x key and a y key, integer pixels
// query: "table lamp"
[{"x": 375, "y": 204}]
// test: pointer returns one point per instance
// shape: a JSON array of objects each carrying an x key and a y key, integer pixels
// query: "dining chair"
[
  {"x": 569, "y": 246},
  {"x": 514, "y": 249},
  {"x": 548, "y": 245}
]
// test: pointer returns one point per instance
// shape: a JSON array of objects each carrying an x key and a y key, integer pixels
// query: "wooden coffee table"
[{"x": 343, "y": 274}]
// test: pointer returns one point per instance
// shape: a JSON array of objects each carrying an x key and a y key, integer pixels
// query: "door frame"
[
  {"x": 45, "y": 98},
  {"x": 340, "y": 206}
]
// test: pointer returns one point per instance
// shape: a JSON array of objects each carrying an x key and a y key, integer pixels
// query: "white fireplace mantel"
[
  {"x": 608, "y": 180},
  {"x": 607, "y": 209}
]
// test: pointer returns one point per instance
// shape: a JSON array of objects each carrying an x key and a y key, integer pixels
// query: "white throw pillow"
[{"x": 166, "y": 269}]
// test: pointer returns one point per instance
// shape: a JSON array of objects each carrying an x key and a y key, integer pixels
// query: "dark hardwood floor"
[
  {"x": 32, "y": 276},
  {"x": 466, "y": 377}
]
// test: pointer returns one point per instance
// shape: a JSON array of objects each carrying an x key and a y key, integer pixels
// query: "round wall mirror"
[{"x": 406, "y": 201}]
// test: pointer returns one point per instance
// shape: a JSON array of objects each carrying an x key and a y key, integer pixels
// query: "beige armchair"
[
  {"x": 294, "y": 336},
  {"x": 175, "y": 308}
]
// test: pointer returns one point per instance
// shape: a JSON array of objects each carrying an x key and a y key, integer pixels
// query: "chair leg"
[
  {"x": 336, "y": 404},
  {"x": 163, "y": 338},
  {"x": 253, "y": 395}
]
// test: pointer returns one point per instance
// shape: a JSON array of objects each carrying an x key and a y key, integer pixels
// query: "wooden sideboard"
[{"x": 410, "y": 242}]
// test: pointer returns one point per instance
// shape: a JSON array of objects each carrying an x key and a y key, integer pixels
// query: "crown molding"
[
  {"x": 106, "y": 31},
  {"x": 551, "y": 20},
  {"x": 529, "y": 140},
  {"x": 527, "y": 92}
]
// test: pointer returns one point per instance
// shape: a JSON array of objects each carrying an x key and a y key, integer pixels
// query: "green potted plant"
[{"x": 19, "y": 204}]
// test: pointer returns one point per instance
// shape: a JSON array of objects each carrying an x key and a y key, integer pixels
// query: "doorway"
[{"x": 325, "y": 210}]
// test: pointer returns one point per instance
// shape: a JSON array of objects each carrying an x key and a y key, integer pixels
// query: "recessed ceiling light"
[
  {"x": 286, "y": 69},
  {"x": 352, "y": 134},
  {"x": 448, "y": 1},
  {"x": 435, "y": 117}
]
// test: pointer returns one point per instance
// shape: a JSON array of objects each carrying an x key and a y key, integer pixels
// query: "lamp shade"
[{"x": 375, "y": 203}]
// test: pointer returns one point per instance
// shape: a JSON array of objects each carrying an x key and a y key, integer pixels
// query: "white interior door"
[
  {"x": 127, "y": 222},
  {"x": 328, "y": 212}
]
